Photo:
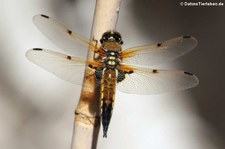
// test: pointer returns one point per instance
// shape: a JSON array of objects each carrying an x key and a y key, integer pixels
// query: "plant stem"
[{"x": 87, "y": 117}]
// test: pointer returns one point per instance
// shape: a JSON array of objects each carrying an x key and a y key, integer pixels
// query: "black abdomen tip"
[
  {"x": 106, "y": 116},
  {"x": 104, "y": 134}
]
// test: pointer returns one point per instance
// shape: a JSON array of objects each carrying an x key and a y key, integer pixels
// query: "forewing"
[
  {"x": 65, "y": 67},
  {"x": 61, "y": 35},
  {"x": 150, "y": 81},
  {"x": 159, "y": 53}
]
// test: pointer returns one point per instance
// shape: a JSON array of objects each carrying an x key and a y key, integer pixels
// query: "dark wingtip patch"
[
  {"x": 45, "y": 16},
  {"x": 69, "y": 32},
  {"x": 188, "y": 73},
  {"x": 130, "y": 72},
  {"x": 186, "y": 36},
  {"x": 69, "y": 57},
  {"x": 155, "y": 71},
  {"x": 159, "y": 44},
  {"x": 37, "y": 49}
]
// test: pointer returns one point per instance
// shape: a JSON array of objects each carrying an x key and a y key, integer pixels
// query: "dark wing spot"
[
  {"x": 186, "y": 36},
  {"x": 69, "y": 32},
  {"x": 130, "y": 72},
  {"x": 188, "y": 73},
  {"x": 159, "y": 44},
  {"x": 45, "y": 16},
  {"x": 76, "y": 113},
  {"x": 37, "y": 49},
  {"x": 155, "y": 71},
  {"x": 69, "y": 57},
  {"x": 89, "y": 65}
]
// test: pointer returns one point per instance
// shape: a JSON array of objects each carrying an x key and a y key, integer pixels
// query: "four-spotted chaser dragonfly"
[{"x": 114, "y": 67}]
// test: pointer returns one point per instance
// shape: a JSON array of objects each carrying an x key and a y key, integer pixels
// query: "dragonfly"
[{"x": 127, "y": 70}]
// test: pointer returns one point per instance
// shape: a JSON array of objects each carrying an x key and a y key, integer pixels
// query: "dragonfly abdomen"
[{"x": 107, "y": 97}]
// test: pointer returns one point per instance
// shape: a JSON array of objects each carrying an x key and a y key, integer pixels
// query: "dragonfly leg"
[
  {"x": 121, "y": 76},
  {"x": 98, "y": 73}
]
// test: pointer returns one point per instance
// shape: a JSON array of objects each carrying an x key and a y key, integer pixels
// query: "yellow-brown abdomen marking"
[{"x": 107, "y": 97}]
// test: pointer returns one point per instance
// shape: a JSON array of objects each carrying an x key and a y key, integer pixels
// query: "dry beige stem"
[{"x": 87, "y": 117}]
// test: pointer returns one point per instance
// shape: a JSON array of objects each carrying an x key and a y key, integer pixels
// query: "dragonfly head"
[{"x": 111, "y": 36}]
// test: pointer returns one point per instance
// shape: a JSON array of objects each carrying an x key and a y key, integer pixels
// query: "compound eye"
[
  {"x": 101, "y": 41},
  {"x": 108, "y": 36},
  {"x": 118, "y": 38}
]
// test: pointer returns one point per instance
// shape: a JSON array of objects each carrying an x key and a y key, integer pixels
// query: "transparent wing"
[
  {"x": 60, "y": 35},
  {"x": 160, "y": 52},
  {"x": 150, "y": 81},
  {"x": 65, "y": 67}
]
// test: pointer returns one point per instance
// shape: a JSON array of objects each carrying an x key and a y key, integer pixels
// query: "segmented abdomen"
[{"x": 107, "y": 97}]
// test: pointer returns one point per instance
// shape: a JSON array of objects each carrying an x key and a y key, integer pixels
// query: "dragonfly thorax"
[{"x": 112, "y": 59}]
